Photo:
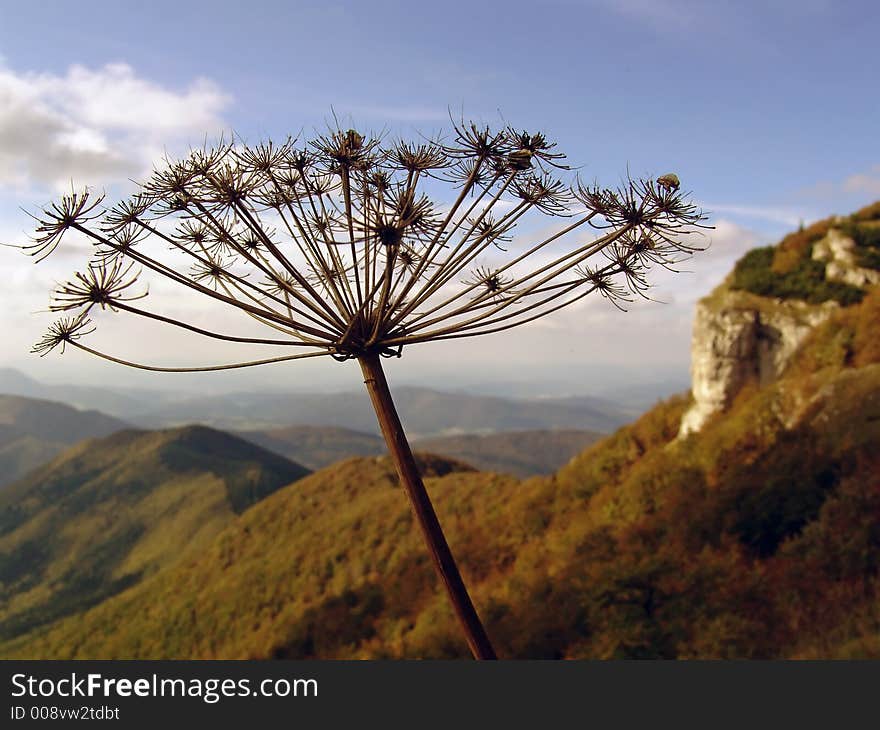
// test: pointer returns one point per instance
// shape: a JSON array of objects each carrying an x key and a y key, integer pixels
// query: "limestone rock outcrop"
[
  {"x": 740, "y": 338},
  {"x": 839, "y": 251}
]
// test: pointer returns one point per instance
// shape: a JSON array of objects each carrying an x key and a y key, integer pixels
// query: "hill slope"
[
  {"x": 32, "y": 431},
  {"x": 107, "y": 512}
]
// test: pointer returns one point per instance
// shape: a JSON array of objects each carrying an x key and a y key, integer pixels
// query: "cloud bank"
[{"x": 97, "y": 125}]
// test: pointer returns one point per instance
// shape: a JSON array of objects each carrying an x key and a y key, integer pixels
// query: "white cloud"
[
  {"x": 729, "y": 239},
  {"x": 95, "y": 125},
  {"x": 864, "y": 182},
  {"x": 842, "y": 195},
  {"x": 788, "y": 216}
]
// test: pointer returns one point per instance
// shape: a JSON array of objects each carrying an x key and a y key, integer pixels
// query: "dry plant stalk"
[{"x": 337, "y": 248}]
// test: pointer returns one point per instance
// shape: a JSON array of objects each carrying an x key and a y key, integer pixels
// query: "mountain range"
[
  {"x": 425, "y": 412},
  {"x": 755, "y": 537},
  {"x": 520, "y": 453},
  {"x": 33, "y": 431}
]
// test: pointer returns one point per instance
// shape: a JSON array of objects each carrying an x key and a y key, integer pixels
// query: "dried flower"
[
  {"x": 62, "y": 332},
  {"x": 335, "y": 245},
  {"x": 102, "y": 283},
  {"x": 493, "y": 283}
]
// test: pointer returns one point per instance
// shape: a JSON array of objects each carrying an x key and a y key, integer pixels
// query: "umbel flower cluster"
[
  {"x": 353, "y": 247},
  {"x": 348, "y": 245}
]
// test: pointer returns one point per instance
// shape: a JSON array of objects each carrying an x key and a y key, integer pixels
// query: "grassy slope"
[
  {"x": 749, "y": 539},
  {"x": 107, "y": 512},
  {"x": 788, "y": 271}
]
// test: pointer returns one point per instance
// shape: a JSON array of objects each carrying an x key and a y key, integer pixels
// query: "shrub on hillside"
[
  {"x": 867, "y": 240},
  {"x": 806, "y": 280},
  {"x": 796, "y": 246}
]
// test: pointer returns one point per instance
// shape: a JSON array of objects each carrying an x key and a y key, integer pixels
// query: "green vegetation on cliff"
[
  {"x": 754, "y": 273},
  {"x": 788, "y": 271}
]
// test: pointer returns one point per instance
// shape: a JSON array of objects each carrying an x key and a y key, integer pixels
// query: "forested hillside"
[{"x": 755, "y": 535}]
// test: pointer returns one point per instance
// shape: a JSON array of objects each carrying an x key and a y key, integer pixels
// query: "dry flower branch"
[{"x": 343, "y": 247}]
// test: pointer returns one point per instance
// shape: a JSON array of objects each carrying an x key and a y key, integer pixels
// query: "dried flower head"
[
  {"x": 491, "y": 284},
  {"x": 342, "y": 243},
  {"x": 64, "y": 331},
  {"x": 212, "y": 271},
  {"x": 351, "y": 247},
  {"x": 102, "y": 283},
  {"x": 73, "y": 210}
]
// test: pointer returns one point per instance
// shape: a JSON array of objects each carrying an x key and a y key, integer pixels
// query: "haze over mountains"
[
  {"x": 425, "y": 412},
  {"x": 521, "y": 453},
  {"x": 520, "y": 437},
  {"x": 113, "y": 402},
  {"x": 32, "y": 431}
]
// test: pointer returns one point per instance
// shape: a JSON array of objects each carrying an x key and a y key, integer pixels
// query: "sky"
[{"x": 767, "y": 111}]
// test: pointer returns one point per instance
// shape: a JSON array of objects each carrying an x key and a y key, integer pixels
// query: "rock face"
[
  {"x": 740, "y": 338},
  {"x": 838, "y": 250}
]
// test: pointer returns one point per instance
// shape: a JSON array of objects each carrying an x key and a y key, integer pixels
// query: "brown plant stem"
[{"x": 407, "y": 470}]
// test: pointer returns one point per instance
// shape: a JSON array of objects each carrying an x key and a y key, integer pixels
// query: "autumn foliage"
[{"x": 754, "y": 538}]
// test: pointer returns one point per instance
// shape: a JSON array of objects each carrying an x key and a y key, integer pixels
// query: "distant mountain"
[
  {"x": 424, "y": 412},
  {"x": 316, "y": 446},
  {"x": 120, "y": 403},
  {"x": 17, "y": 383},
  {"x": 521, "y": 453},
  {"x": 108, "y": 512},
  {"x": 33, "y": 431}
]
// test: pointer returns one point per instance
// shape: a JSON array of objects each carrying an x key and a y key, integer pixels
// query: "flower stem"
[{"x": 401, "y": 454}]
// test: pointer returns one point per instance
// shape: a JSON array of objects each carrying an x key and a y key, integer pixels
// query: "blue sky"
[{"x": 767, "y": 111}]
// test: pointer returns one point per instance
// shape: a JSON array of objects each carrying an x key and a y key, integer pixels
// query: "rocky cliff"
[{"x": 741, "y": 337}]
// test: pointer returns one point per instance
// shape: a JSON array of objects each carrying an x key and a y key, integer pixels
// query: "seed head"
[{"x": 62, "y": 332}]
